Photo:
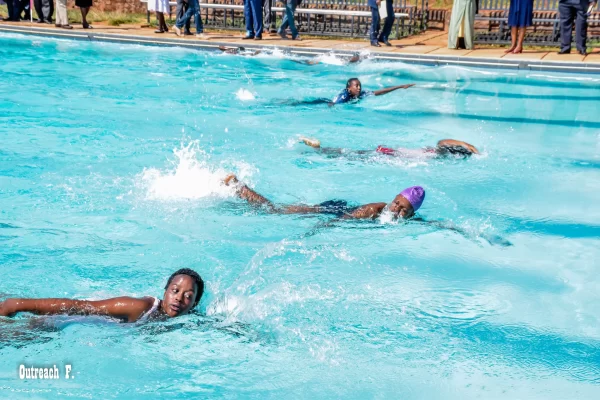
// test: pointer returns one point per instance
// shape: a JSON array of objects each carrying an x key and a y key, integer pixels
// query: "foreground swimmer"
[
  {"x": 444, "y": 148},
  {"x": 182, "y": 293},
  {"x": 404, "y": 205}
]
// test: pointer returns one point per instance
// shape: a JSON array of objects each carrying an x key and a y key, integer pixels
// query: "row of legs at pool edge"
[
  {"x": 259, "y": 18},
  {"x": 461, "y": 31},
  {"x": 20, "y": 10}
]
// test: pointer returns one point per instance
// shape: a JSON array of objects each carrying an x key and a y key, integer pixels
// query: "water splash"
[
  {"x": 244, "y": 95},
  {"x": 190, "y": 177}
]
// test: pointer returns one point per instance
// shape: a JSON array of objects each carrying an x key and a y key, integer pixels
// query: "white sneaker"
[
  {"x": 177, "y": 31},
  {"x": 202, "y": 36}
]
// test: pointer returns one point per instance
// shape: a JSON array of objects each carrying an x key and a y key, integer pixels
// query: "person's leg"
[
  {"x": 160, "y": 18},
  {"x": 197, "y": 17},
  {"x": 290, "y": 9},
  {"x": 520, "y": 39},
  {"x": 257, "y": 15},
  {"x": 61, "y": 13},
  {"x": 37, "y": 4},
  {"x": 514, "y": 34},
  {"x": 84, "y": 13},
  {"x": 48, "y": 10},
  {"x": 374, "y": 26},
  {"x": 389, "y": 23},
  {"x": 185, "y": 19},
  {"x": 566, "y": 26},
  {"x": 267, "y": 15},
  {"x": 284, "y": 25},
  {"x": 581, "y": 28},
  {"x": 248, "y": 18}
]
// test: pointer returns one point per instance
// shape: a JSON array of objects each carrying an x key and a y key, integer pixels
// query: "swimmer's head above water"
[
  {"x": 183, "y": 291},
  {"x": 353, "y": 86},
  {"x": 406, "y": 204}
]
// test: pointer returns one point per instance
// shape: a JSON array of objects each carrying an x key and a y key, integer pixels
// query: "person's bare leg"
[
  {"x": 519, "y": 48},
  {"x": 513, "y": 39}
]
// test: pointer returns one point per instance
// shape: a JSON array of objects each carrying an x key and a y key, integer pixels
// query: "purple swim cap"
[{"x": 415, "y": 196}]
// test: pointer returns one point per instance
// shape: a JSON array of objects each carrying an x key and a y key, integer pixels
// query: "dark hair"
[
  {"x": 350, "y": 82},
  {"x": 454, "y": 150},
  {"x": 192, "y": 274}
]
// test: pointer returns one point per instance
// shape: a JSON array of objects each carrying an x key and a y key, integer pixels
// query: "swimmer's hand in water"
[
  {"x": 231, "y": 180},
  {"x": 310, "y": 142},
  {"x": 6, "y": 309}
]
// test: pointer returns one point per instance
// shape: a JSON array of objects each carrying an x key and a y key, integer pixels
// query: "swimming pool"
[{"x": 111, "y": 158}]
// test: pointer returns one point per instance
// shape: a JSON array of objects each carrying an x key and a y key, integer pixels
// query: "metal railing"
[{"x": 350, "y": 18}]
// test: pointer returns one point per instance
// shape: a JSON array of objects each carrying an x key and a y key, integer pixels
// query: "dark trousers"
[
  {"x": 182, "y": 7},
  {"x": 268, "y": 20},
  {"x": 253, "y": 14},
  {"x": 376, "y": 22},
  {"x": 44, "y": 9},
  {"x": 16, "y": 7},
  {"x": 570, "y": 12}
]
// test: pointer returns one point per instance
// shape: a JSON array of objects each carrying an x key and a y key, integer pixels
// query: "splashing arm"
[
  {"x": 245, "y": 193},
  {"x": 125, "y": 308},
  {"x": 391, "y": 89}
]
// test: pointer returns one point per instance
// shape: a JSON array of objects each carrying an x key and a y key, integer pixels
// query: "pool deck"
[{"x": 427, "y": 48}]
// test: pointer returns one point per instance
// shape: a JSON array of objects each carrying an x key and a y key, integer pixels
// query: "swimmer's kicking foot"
[
  {"x": 182, "y": 293},
  {"x": 443, "y": 148},
  {"x": 404, "y": 205}
]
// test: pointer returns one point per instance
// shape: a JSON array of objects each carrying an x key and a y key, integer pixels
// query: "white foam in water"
[
  {"x": 244, "y": 95},
  {"x": 190, "y": 177}
]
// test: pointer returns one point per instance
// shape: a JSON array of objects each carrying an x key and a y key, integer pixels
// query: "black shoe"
[
  {"x": 375, "y": 43},
  {"x": 564, "y": 51},
  {"x": 582, "y": 52},
  {"x": 187, "y": 33},
  {"x": 461, "y": 43},
  {"x": 386, "y": 42},
  {"x": 49, "y": 22},
  {"x": 259, "y": 37},
  {"x": 248, "y": 37},
  {"x": 40, "y": 21}
]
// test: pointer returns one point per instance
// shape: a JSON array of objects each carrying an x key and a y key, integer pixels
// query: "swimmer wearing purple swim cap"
[{"x": 403, "y": 206}]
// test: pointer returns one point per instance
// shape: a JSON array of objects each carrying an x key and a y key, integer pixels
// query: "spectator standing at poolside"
[
  {"x": 160, "y": 7},
  {"x": 192, "y": 11},
  {"x": 269, "y": 21},
  {"x": 182, "y": 6},
  {"x": 520, "y": 16},
  {"x": 44, "y": 10},
  {"x": 254, "y": 19},
  {"x": 462, "y": 25},
  {"x": 62, "y": 21},
  {"x": 84, "y": 6},
  {"x": 382, "y": 37},
  {"x": 288, "y": 20},
  {"x": 573, "y": 10}
]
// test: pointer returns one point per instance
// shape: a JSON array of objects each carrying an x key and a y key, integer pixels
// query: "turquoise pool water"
[{"x": 110, "y": 164}]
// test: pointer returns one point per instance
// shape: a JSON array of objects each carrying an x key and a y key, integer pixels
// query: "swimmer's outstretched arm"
[
  {"x": 391, "y": 89},
  {"x": 453, "y": 143},
  {"x": 128, "y": 309},
  {"x": 245, "y": 193}
]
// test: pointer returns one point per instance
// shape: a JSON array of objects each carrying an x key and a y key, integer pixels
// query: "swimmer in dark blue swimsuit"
[
  {"x": 352, "y": 93},
  {"x": 403, "y": 206}
]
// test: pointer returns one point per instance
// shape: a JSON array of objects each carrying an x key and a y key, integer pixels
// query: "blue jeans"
[
  {"x": 374, "y": 24},
  {"x": 192, "y": 11},
  {"x": 568, "y": 13},
  {"x": 288, "y": 19},
  {"x": 253, "y": 13}
]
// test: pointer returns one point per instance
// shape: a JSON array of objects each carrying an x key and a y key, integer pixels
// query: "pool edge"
[{"x": 425, "y": 59}]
